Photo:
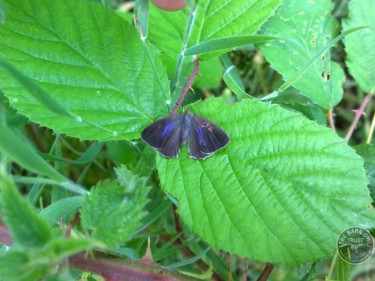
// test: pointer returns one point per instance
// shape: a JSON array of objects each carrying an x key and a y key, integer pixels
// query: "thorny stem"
[
  {"x": 331, "y": 119},
  {"x": 266, "y": 272},
  {"x": 187, "y": 86},
  {"x": 358, "y": 114},
  {"x": 113, "y": 269}
]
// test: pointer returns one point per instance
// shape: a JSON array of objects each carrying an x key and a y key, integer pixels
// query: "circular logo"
[{"x": 355, "y": 245}]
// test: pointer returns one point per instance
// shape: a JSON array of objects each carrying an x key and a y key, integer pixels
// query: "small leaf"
[
  {"x": 61, "y": 248},
  {"x": 307, "y": 28},
  {"x": 12, "y": 262},
  {"x": 360, "y": 46},
  {"x": 26, "y": 226},
  {"x": 36, "y": 262},
  {"x": 234, "y": 83},
  {"x": 112, "y": 212},
  {"x": 278, "y": 167}
]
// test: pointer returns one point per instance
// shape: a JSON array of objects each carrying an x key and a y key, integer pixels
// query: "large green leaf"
[
  {"x": 307, "y": 27},
  {"x": 89, "y": 60},
  {"x": 281, "y": 191},
  {"x": 360, "y": 46}
]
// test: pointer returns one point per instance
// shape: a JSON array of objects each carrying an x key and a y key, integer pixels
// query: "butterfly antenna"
[{"x": 187, "y": 86}]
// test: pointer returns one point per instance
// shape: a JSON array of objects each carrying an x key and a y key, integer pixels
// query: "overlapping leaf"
[
  {"x": 209, "y": 20},
  {"x": 89, "y": 60},
  {"x": 307, "y": 28},
  {"x": 283, "y": 183},
  {"x": 360, "y": 46}
]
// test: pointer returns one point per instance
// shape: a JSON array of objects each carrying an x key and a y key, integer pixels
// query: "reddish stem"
[
  {"x": 113, "y": 269},
  {"x": 266, "y": 272},
  {"x": 187, "y": 86},
  {"x": 72, "y": 223},
  {"x": 331, "y": 119},
  {"x": 358, "y": 113}
]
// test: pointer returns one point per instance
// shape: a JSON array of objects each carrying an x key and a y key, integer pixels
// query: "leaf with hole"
[{"x": 307, "y": 29}]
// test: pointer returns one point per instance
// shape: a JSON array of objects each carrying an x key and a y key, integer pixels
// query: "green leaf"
[
  {"x": 38, "y": 93},
  {"x": 282, "y": 181},
  {"x": 37, "y": 262},
  {"x": 25, "y": 225},
  {"x": 61, "y": 248},
  {"x": 367, "y": 151},
  {"x": 226, "y": 44},
  {"x": 208, "y": 20},
  {"x": 59, "y": 209},
  {"x": 234, "y": 83},
  {"x": 210, "y": 74},
  {"x": 113, "y": 211},
  {"x": 89, "y": 60},
  {"x": 360, "y": 46},
  {"x": 20, "y": 152},
  {"x": 89, "y": 155},
  {"x": 307, "y": 28},
  {"x": 12, "y": 262},
  {"x": 294, "y": 101}
]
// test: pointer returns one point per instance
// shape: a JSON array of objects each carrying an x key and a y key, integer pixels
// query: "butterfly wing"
[
  {"x": 165, "y": 135},
  {"x": 205, "y": 138}
]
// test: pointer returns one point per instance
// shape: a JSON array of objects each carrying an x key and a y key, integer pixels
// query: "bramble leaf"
[
  {"x": 113, "y": 210},
  {"x": 282, "y": 183},
  {"x": 91, "y": 62},
  {"x": 360, "y": 46},
  {"x": 306, "y": 28}
]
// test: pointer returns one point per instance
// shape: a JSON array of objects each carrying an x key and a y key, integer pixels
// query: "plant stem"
[
  {"x": 111, "y": 268},
  {"x": 358, "y": 114},
  {"x": 187, "y": 86},
  {"x": 266, "y": 272},
  {"x": 331, "y": 120}
]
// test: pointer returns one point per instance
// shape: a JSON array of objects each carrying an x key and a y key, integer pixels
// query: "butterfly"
[{"x": 168, "y": 134}]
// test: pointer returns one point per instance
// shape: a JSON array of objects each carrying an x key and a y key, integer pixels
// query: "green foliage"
[
  {"x": 106, "y": 72},
  {"x": 19, "y": 151},
  {"x": 367, "y": 151},
  {"x": 113, "y": 210},
  {"x": 263, "y": 163},
  {"x": 306, "y": 28},
  {"x": 283, "y": 183},
  {"x": 37, "y": 247},
  {"x": 360, "y": 46},
  {"x": 213, "y": 19},
  {"x": 27, "y": 228}
]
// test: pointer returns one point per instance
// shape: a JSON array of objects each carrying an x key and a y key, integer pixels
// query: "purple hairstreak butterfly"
[{"x": 168, "y": 134}]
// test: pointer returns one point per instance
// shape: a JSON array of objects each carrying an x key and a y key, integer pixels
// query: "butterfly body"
[{"x": 168, "y": 134}]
